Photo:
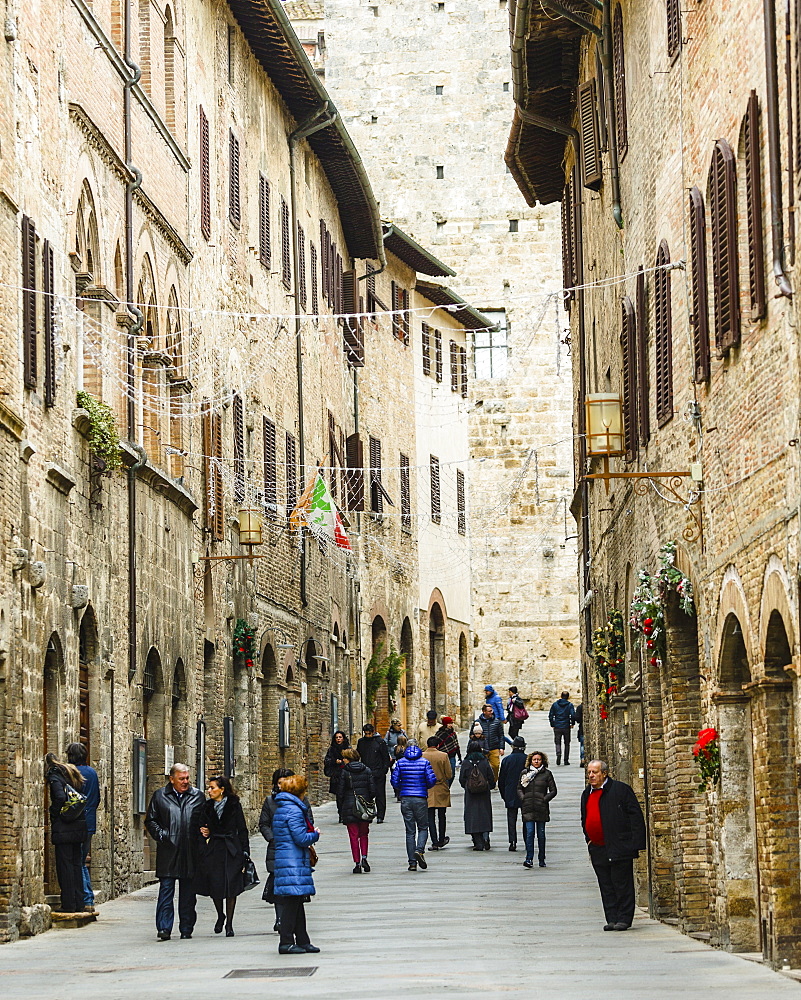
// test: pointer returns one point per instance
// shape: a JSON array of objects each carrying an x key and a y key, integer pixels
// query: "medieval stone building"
[{"x": 670, "y": 135}]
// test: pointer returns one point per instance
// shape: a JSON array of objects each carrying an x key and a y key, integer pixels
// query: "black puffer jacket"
[
  {"x": 62, "y": 831},
  {"x": 374, "y": 753},
  {"x": 354, "y": 779},
  {"x": 169, "y": 823},
  {"x": 536, "y": 795}
]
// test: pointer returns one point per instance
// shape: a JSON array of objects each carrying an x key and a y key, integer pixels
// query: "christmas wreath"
[
  {"x": 609, "y": 652},
  {"x": 244, "y": 641},
  {"x": 707, "y": 754},
  {"x": 647, "y": 611}
]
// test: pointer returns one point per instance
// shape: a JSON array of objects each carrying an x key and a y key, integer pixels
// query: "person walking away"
[
  {"x": 614, "y": 828},
  {"x": 478, "y": 779},
  {"x": 293, "y": 833},
  {"x": 169, "y": 822},
  {"x": 374, "y": 753},
  {"x": 448, "y": 742},
  {"x": 439, "y": 795},
  {"x": 580, "y": 732},
  {"x": 493, "y": 699},
  {"x": 68, "y": 831},
  {"x": 535, "y": 790},
  {"x": 394, "y": 733},
  {"x": 224, "y": 847},
  {"x": 398, "y": 752},
  {"x": 76, "y": 755},
  {"x": 356, "y": 779},
  {"x": 333, "y": 760},
  {"x": 516, "y": 713},
  {"x": 412, "y": 778},
  {"x": 492, "y": 729},
  {"x": 562, "y": 718},
  {"x": 508, "y": 779},
  {"x": 426, "y": 728},
  {"x": 266, "y": 829}
]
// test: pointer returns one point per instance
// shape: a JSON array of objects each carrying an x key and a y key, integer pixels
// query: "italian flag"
[{"x": 320, "y": 513}]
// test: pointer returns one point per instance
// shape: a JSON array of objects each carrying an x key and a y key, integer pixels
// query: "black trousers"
[
  {"x": 293, "y": 920},
  {"x": 616, "y": 882},
  {"x": 436, "y": 841},
  {"x": 514, "y": 728},
  {"x": 69, "y": 872},
  {"x": 558, "y": 736},
  {"x": 380, "y": 795},
  {"x": 511, "y": 823}
]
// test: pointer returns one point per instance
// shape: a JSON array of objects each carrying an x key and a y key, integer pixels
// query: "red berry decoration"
[
  {"x": 648, "y": 621},
  {"x": 654, "y": 661},
  {"x": 650, "y": 644}
]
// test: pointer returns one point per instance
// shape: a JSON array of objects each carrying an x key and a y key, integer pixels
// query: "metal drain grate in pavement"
[{"x": 269, "y": 973}]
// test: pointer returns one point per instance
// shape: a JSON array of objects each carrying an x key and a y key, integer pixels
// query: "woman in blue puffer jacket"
[{"x": 293, "y": 835}]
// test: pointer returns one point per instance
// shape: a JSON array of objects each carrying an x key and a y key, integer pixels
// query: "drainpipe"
[
  {"x": 611, "y": 112},
  {"x": 320, "y": 118},
  {"x": 774, "y": 149}
]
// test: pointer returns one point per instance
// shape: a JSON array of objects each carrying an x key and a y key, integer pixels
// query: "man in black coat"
[
  {"x": 508, "y": 780},
  {"x": 169, "y": 823},
  {"x": 614, "y": 827},
  {"x": 374, "y": 753}
]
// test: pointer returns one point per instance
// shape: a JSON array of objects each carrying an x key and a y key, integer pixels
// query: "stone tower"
[{"x": 424, "y": 89}]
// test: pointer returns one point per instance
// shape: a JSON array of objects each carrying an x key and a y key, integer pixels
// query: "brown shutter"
[
  {"x": 286, "y": 272},
  {"x": 301, "y": 267},
  {"x": 208, "y": 463},
  {"x": 619, "y": 69},
  {"x": 396, "y": 320},
  {"x": 324, "y": 260},
  {"x": 218, "y": 526},
  {"x": 643, "y": 381},
  {"x": 48, "y": 287},
  {"x": 628, "y": 343},
  {"x": 700, "y": 286},
  {"x": 265, "y": 248},
  {"x": 405, "y": 494},
  {"x": 454, "y": 367},
  {"x": 239, "y": 448},
  {"x": 673, "y": 26},
  {"x": 291, "y": 473},
  {"x": 568, "y": 244},
  {"x": 339, "y": 290},
  {"x": 725, "y": 269},
  {"x": 438, "y": 355},
  {"x": 753, "y": 194},
  {"x": 234, "y": 210},
  {"x": 463, "y": 371},
  {"x": 371, "y": 303},
  {"x": 315, "y": 301},
  {"x": 352, "y": 332},
  {"x": 405, "y": 317},
  {"x": 270, "y": 467},
  {"x": 332, "y": 453},
  {"x": 426, "y": 339},
  {"x": 663, "y": 337},
  {"x": 436, "y": 511},
  {"x": 29, "y": 301},
  {"x": 591, "y": 162},
  {"x": 205, "y": 177},
  {"x": 354, "y": 479},
  {"x": 376, "y": 494},
  {"x": 461, "y": 506}
]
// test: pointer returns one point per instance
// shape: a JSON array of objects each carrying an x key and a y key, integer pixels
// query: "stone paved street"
[{"x": 470, "y": 925}]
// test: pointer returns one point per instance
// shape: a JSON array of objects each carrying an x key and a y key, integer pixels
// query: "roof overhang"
[
  {"x": 411, "y": 253},
  {"x": 440, "y": 295},
  {"x": 272, "y": 39}
]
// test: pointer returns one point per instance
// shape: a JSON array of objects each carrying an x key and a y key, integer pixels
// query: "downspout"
[
  {"x": 611, "y": 112},
  {"x": 320, "y": 118},
  {"x": 774, "y": 149}
]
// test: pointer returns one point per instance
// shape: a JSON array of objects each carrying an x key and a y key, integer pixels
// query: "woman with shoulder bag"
[
  {"x": 294, "y": 883},
  {"x": 224, "y": 848},
  {"x": 67, "y": 829},
  {"x": 535, "y": 791},
  {"x": 355, "y": 795}
]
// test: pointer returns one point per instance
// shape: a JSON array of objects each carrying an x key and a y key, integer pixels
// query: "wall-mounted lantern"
[
  {"x": 250, "y": 525},
  {"x": 604, "y": 424}
]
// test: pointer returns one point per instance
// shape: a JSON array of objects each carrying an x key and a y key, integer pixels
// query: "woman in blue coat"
[{"x": 293, "y": 835}]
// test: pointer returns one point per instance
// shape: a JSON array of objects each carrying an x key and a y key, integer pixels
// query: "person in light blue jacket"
[{"x": 293, "y": 835}]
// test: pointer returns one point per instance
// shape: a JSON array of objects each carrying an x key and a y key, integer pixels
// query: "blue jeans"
[
  {"x": 165, "y": 911},
  {"x": 88, "y": 894},
  {"x": 414, "y": 809},
  {"x": 528, "y": 834},
  {"x": 455, "y": 765}
]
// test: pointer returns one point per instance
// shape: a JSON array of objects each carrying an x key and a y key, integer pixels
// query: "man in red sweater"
[{"x": 614, "y": 826}]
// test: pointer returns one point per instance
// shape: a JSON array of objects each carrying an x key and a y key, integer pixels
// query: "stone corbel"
[
  {"x": 60, "y": 478},
  {"x": 11, "y": 422}
]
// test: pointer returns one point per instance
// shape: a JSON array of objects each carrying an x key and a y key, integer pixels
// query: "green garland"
[
  {"x": 389, "y": 668},
  {"x": 244, "y": 641},
  {"x": 609, "y": 652},
  {"x": 104, "y": 441},
  {"x": 647, "y": 611}
]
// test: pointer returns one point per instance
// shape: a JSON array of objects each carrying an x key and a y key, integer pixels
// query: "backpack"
[
  {"x": 476, "y": 782},
  {"x": 74, "y": 804}
]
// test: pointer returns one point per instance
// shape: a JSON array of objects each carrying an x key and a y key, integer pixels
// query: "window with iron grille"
[
  {"x": 436, "y": 506},
  {"x": 48, "y": 288},
  {"x": 438, "y": 355},
  {"x": 239, "y": 448},
  {"x": 619, "y": 72},
  {"x": 286, "y": 273},
  {"x": 426, "y": 342},
  {"x": 725, "y": 266},
  {"x": 699, "y": 319},
  {"x": 301, "y": 267},
  {"x": 405, "y": 493},
  {"x": 291, "y": 473},
  {"x": 461, "y": 503},
  {"x": 753, "y": 199},
  {"x": 29, "y": 302},
  {"x": 149, "y": 679},
  {"x": 270, "y": 467},
  {"x": 265, "y": 248},
  {"x": 643, "y": 382},
  {"x": 628, "y": 343},
  {"x": 663, "y": 337},
  {"x": 205, "y": 177},
  {"x": 234, "y": 209},
  {"x": 673, "y": 26},
  {"x": 315, "y": 301}
]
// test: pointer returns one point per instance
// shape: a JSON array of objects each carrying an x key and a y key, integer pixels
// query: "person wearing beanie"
[
  {"x": 508, "y": 779},
  {"x": 428, "y": 727},
  {"x": 494, "y": 700},
  {"x": 448, "y": 742}
]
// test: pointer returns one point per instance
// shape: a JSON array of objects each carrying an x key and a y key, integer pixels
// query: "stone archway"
[
  {"x": 379, "y": 649},
  {"x": 268, "y": 743},
  {"x": 407, "y": 680},
  {"x": 436, "y": 660}
]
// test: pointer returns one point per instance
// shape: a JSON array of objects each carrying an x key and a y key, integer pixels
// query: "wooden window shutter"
[
  {"x": 700, "y": 286},
  {"x": 628, "y": 343},
  {"x": 663, "y": 337},
  {"x": 219, "y": 486},
  {"x": 463, "y": 372},
  {"x": 591, "y": 161},
  {"x": 234, "y": 209},
  {"x": 568, "y": 244},
  {"x": 396, "y": 320},
  {"x": 643, "y": 382},
  {"x": 286, "y": 272},
  {"x": 323, "y": 261},
  {"x": 438, "y": 355},
  {"x": 405, "y": 316},
  {"x": 673, "y": 26},
  {"x": 208, "y": 463},
  {"x": 354, "y": 480},
  {"x": 339, "y": 289},
  {"x": 426, "y": 340},
  {"x": 371, "y": 296},
  {"x": 725, "y": 268},
  {"x": 291, "y": 473},
  {"x": 619, "y": 70},
  {"x": 315, "y": 301},
  {"x": 376, "y": 495},
  {"x": 48, "y": 287},
  {"x": 454, "y": 366},
  {"x": 270, "y": 467},
  {"x": 331, "y": 271},
  {"x": 753, "y": 195},
  {"x": 352, "y": 332},
  {"x": 265, "y": 248},
  {"x": 29, "y": 302},
  {"x": 436, "y": 507},
  {"x": 461, "y": 503},
  {"x": 405, "y": 493},
  {"x": 239, "y": 448},
  {"x": 301, "y": 267},
  {"x": 211, "y": 428},
  {"x": 333, "y": 450},
  {"x": 205, "y": 177}
]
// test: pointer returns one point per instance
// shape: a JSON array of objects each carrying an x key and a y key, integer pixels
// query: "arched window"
[
  {"x": 154, "y": 434},
  {"x": 169, "y": 68},
  {"x": 88, "y": 272},
  {"x": 725, "y": 269},
  {"x": 176, "y": 377},
  {"x": 663, "y": 337}
]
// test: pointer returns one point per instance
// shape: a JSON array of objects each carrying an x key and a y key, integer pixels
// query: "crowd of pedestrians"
[{"x": 203, "y": 846}]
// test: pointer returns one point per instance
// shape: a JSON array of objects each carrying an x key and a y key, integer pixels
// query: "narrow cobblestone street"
[{"x": 469, "y": 925}]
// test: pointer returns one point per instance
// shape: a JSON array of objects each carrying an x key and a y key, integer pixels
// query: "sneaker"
[
  {"x": 528, "y": 864},
  {"x": 291, "y": 949},
  {"x": 357, "y": 869},
  {"x": 543, "y": 865},
  {"x": 412, "y": 866},
  {"x": 365, "y": 865},
  {"x": 185, "y": 935},
  {"x": 312, "y": 949},
  {"x": 609, "y": 927},
  {"x": 435, "y": 847},
  {"x": 421, "y": 859}
]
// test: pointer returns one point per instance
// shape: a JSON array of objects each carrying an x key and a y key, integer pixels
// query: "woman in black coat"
[
  {"x": 223, "y": 850},
  {"x": 66, "y": 836},
  {"x": 535, "y": 791},
  {"x": 355, "y": 779},
  {"x": 477, "y": 805},
  {"x": 334, "y": 761}
]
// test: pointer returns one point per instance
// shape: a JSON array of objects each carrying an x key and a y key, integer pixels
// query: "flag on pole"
[{"x": 320, "y": 513}]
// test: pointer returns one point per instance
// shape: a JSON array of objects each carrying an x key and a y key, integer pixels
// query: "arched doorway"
[
  {"x": 153, "y": 719},
  {"x": 53, "y": 690},
  {"x": 407, "y": 680},
  {"x": 436, "y": 659},
  {"x": 87, "y": 658},
  {"x": 268, "y": 753},
  {"x": 379, "y": 649},
  {"x": 212, "y": 715},
  {"x": 464, "y": 680},
  {"x": 180, "y": 721}
]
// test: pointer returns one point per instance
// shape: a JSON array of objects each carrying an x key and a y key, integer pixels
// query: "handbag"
[
  {"x": 364, "y": 808},
  {"x": 250, "y": 876},
  {"x": 519, "y": 713},
  {"x": 313, "y": 857},
  {"x": 74, "y": 804}
]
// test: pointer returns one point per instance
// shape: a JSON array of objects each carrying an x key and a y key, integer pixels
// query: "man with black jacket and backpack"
[
  {"x": 374, "y": 753},
  {"x": 614, "y": 827}
]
